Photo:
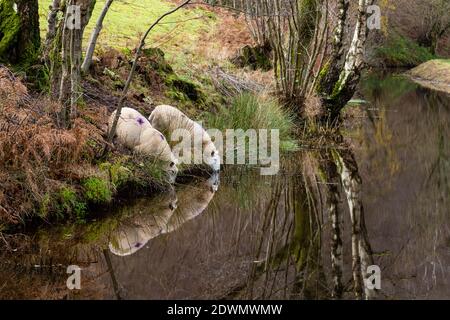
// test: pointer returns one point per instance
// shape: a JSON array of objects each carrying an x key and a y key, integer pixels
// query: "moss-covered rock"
[
  {"x": 186, "y": 87},
  {"x": 258, "y": 57},
  {"x": 157, "y": 61}
]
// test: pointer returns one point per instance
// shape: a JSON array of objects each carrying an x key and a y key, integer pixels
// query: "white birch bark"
[
  {"x": 355, "y": 56},
  {"x": 94, "y": 36},
  {"x": 361, "y": 252}
]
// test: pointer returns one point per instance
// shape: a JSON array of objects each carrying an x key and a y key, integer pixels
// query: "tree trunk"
[
  {"x": 71, "y": 52},
  {"x": 349, "y": 75},
  {"x": 19, "y": 31},
  {"x": 64, "y": 89},
  {"x": 94, "y": 36},
  {"x": 52, "y": 23},
  {"x": 333, "y": 66}
]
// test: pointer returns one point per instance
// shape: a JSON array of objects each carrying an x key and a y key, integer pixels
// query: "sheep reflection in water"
[{"x": 163, "y": 214}]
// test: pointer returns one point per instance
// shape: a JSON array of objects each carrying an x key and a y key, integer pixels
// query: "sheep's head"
[
  {"x": 211, "y": 156},
  {"x": 171, "y": 169}
]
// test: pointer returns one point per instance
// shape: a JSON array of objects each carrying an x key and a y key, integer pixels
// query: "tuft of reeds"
[{"x": 248, "y": 111}]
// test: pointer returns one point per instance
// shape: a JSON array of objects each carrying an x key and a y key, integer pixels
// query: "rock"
[{"x": 258, "y": 57}]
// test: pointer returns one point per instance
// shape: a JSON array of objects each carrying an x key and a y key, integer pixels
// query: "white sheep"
[
  {"x": 135, "y": 132},
  {"x": 153, "y": 142},
  {"x": 168, "y": 119},
  {"x": 130, "y": 126}
]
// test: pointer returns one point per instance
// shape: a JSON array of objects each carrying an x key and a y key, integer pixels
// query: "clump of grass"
[
  {"x": 70, "y": 203},
  {"x": 97, "y": 190},
  {"x": 140, "y": 174},
  {"x": 248, "y": 111},
  {"x": 403, "y": 52},
  {"x": 117, "y": 172}
]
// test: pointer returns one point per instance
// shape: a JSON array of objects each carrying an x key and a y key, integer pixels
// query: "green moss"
[
  {"x": 258, "y": 57},
  {"x": 336, "y": 90},
  {"x": 183, "y": 89},
  {"x": 9, "y": 28},
  {"x": 118, "y": 174},
  {"x": 19, "y": 43},
  {"x": 400, "y": 51},
  {"x": 322, "y": 76},
  {"x": 157, "y": 60},
  {"x": 96, "y": 190},
  {"x": 68, "y": 202}
]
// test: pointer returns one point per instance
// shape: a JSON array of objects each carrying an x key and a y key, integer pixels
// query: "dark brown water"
[{"x": 260, "y": 237}]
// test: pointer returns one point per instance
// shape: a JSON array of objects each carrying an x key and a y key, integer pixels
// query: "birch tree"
[
  {"x": 304, "y": 66},
  {"x": 51, "y": 27},
  {"x": 334, "y": 90},
  {"x": 362, "y": 257},
  {"x": 94, "y": 36}
]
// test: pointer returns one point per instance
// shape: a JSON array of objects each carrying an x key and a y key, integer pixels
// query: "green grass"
[
  {"x": 247, "y": 111},
  {"x": 68, "y": 202},
  {"x": 403, "y": 52},
  {"x": 444, "y": 61},
  {"x": 97, "y": 190},
  {"x": 127, "y": 21}
]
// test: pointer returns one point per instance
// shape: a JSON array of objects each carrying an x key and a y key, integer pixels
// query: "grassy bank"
[
  {"x": 400, "y": 51},
  {"x": 127, "y": 21},
  {"x": 434, "y": 74},
  {"x": 55, "y": 174}
]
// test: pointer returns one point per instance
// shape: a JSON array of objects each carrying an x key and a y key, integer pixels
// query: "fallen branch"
[{"x": 229, "y": 85}]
